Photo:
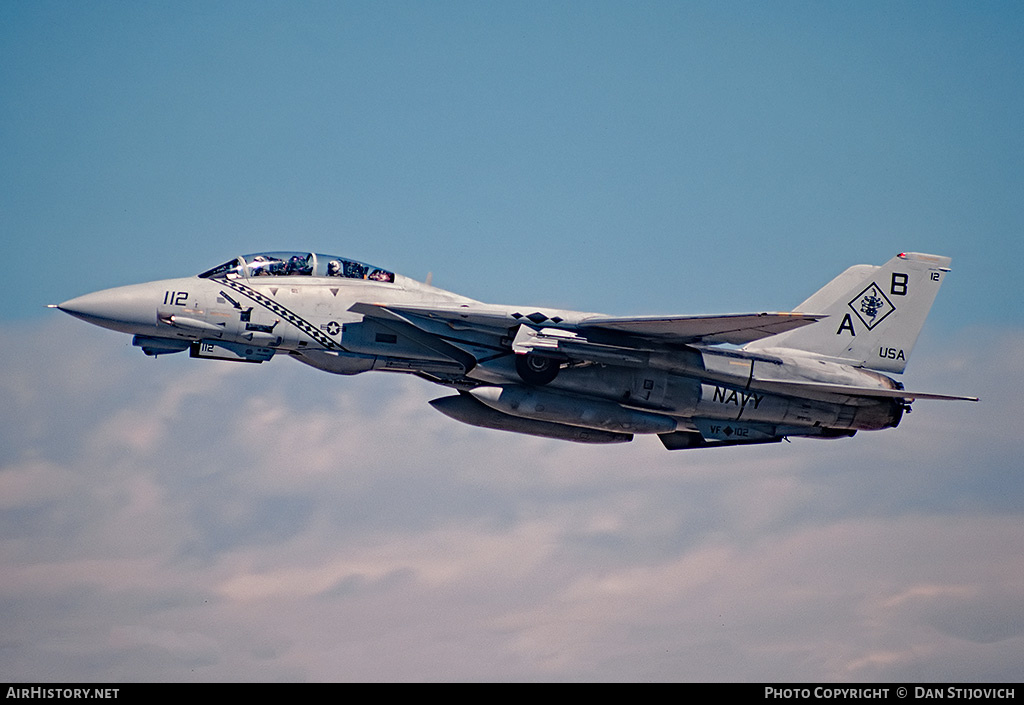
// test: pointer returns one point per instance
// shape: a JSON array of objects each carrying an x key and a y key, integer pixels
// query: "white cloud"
[{"x": 194, "y": 520}]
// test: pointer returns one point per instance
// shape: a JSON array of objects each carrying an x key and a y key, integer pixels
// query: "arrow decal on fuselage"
[{"x": 274, "y": 307}]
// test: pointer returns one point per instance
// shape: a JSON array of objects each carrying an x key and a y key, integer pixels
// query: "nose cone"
[{"x": 124, "y": 309}]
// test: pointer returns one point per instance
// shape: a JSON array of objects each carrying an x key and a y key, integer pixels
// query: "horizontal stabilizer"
[{"x": 815, "y": 390}]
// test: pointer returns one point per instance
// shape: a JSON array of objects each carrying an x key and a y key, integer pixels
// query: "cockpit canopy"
[{"x": 297, "y": 264}]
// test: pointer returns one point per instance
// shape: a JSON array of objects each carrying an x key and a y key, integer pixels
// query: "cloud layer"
[{"x": 184, "y": 520}]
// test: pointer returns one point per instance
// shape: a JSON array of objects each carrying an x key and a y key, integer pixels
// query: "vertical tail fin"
[{"x": 874, "y": 314}]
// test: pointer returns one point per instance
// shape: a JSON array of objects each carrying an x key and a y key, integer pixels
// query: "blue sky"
[
  {"x": 184, "y": 520},
  {"x": 668, "y": 157}
]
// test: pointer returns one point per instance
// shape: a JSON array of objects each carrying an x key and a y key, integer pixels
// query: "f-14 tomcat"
[{"x": 694, "y": 381}]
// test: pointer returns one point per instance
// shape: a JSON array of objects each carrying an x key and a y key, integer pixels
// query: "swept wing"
[
  {"x": 632, "y": 331},
  {"x": 734, "y": 328}
]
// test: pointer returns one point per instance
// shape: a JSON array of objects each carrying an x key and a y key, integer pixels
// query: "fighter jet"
[{"x": 700, "y": 381}]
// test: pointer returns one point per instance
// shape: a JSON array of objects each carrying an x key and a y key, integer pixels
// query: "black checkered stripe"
[{"x": 295, "y": 319}]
